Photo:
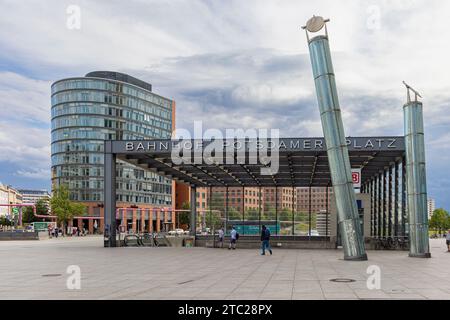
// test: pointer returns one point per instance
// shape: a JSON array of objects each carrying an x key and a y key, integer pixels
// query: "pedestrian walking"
[
  {"x": 221, "y": 236},
  {"x": 265, "y": 240},
  {"x": 447, "y": 238},
  {"x": 234, "y": 236}
]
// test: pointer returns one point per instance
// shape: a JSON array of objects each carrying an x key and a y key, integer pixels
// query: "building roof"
[
  {"x": 302, "y": 161},
  {"x": 118, "y": 76}
]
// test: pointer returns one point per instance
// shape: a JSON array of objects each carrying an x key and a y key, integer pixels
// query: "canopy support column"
[
  {"x": 276, "y": 210},
  {"x": 309, "y": 213},
  {"x": 326, "y": 209},
  {"x": 226, "y": 210},
  {"x": 259, "y": 205},
  {"x": 243, "y": 211},
  {"x": 109, "y": 196},
  {"x": 193, "y": 200}
]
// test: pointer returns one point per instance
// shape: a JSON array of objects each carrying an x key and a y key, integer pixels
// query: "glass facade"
[{"x": 85, "y": 112}]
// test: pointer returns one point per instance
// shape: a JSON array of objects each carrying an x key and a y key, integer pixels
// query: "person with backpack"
[
  {"x": 234, "y": 235},
  {"x": 265, "y": 240}
]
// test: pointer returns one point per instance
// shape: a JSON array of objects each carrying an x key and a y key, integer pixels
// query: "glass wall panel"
[{"x": 268, "y": 214}]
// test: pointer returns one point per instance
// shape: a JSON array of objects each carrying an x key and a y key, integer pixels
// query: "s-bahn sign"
[{"x": 282, "y": 144}]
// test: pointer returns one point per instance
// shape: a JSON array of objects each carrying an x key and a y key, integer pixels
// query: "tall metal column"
[
  {"x": 109, "y": 196},
  {"x": 396, "y": 199},
  {"x": 193, "y": 201},
  {"x": 416, "y": 177},
  {"x": 383, "y": 195},
  {"x": 333, "y": 129},
  {"x": 389, "y": 202},
  {"x": 243, "y": 211},
  {"x": 375, "y": 208},
  {"x": 372, "y": 211},
  {"x": 385, "y": 202},
  {"x": 380, "y": 205},
  {"x": 309, "y": 213}
]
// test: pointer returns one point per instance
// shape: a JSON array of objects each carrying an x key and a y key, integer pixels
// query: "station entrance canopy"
[{"x": 296, "y": 162}]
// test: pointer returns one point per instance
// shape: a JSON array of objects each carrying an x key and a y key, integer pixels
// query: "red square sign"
[{"x": 355, "y": 177}]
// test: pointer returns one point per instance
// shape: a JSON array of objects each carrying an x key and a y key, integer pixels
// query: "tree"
[
  {"x": 42, "y": 206},
  {"x": 184, "y": 217},
  {"x": 213, "y": 219},
  {"x": 5, "y": 221},
  {"x": 28, "y": 215},
  {"x": 440, "y": 220},
  {"x": 63, "y": 208}
]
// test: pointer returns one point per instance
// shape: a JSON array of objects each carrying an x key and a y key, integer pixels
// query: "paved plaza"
[{"x": 37, "y": 270}]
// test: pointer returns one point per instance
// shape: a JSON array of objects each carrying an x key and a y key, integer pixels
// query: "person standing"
[
  {"x": 221, "y": 235},
  {"x": 447, "y": 238},
  {"x": 265, "y": 240},
  {"x": 233, "y": 238}
]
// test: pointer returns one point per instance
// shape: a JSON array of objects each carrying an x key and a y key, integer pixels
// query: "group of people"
[
  {"x": 234, "y": 236},
  {"x": 55, "y": 232}
]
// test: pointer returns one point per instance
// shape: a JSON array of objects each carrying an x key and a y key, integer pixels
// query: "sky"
[{"x": 230, "y": 64}]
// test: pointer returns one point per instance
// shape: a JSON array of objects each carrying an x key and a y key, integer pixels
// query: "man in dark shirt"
[{"x": 265, "y": 240}]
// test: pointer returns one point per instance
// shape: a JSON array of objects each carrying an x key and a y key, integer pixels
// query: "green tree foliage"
[
  {"x": 285, "y": 215},
  {"x": 213, "y": 220},
  {"x": 184, "y": 217},
  {"x": 234, "y": 214},
  {"x": 42, "y": 206},
  {"x": 41, "y": 209},
  {"x": 63, "y": 208},
  {"x": 28, "y": 215},
  {"x": 5, "y": 221},
  {"x": 440, "y": 220}
]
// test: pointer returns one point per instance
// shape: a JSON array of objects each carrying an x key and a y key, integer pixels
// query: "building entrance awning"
[{"x": 302, "y": 162}]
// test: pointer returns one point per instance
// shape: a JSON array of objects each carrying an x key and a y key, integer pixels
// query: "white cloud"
[
  {"x": 34, "y": 174},
  {"x": 24, "y": 99},
  {"x": 24, "y": 145}
]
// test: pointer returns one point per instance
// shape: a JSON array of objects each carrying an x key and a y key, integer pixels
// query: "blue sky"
[{"x": 232, "y": 64}]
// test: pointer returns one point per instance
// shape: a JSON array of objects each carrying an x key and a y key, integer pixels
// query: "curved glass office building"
[{"x": 107, "y": 106}]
